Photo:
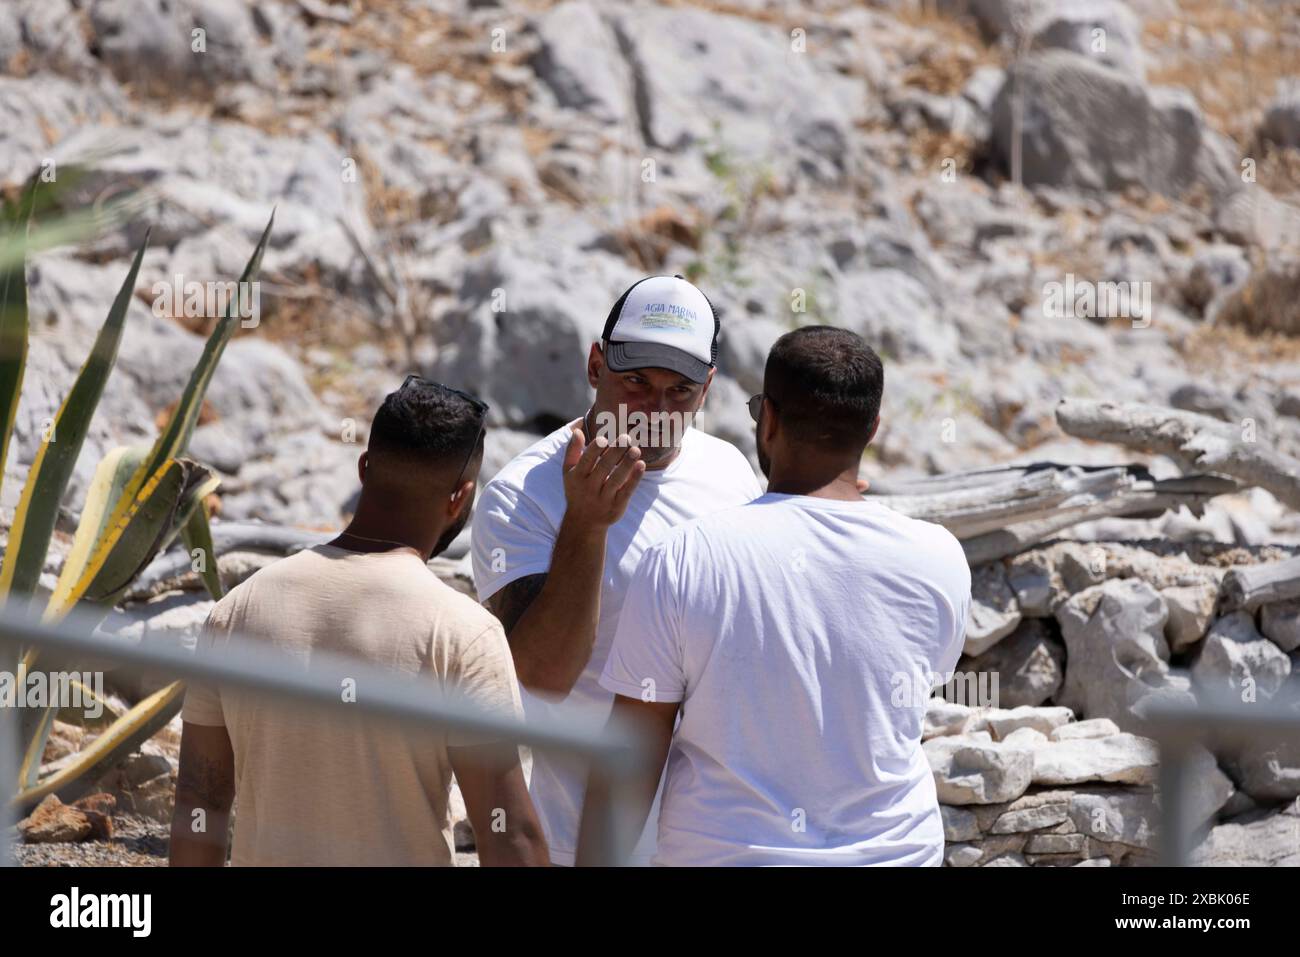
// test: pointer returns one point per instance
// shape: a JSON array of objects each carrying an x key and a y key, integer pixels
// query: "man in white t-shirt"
[
  {"x": 559, "y": 530},
  {"x": 795, "y": 636}
]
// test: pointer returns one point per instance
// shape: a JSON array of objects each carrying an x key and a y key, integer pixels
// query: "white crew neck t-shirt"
[
  {"x": 516, "y": 521},
  {"x": 795, "y": 631}
]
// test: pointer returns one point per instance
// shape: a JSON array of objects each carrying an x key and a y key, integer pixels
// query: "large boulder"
[
  {"x": 701, "y": 78},
  {"x": 1236, "y": 659},
  {"x": 971, "y": 769},
  {"x": 1090, "y": 127},
  {"x": 169, "y": 42},
  {"x": 898, "y": 313},
  {"x": 1267, "y": 770},
  {"x": 580, "y": 60},
  {"x": 1115, "y": 649},
  {"x": 1029, "y": 663},
  {"x": 1117, "y": 759},
  {"x": 1106, "y": 29},
  {"x": 1281, "y": 123},
  {"x": 1259, "y": 839},
  {"x": 521, "y": 330},
  {"x": 994, "y": 613}
]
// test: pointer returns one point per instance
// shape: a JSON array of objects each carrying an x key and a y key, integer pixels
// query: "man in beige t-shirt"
[{"x": 322, "y": 787}]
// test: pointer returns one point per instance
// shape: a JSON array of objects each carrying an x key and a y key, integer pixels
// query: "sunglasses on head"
[{"x": 479, "y": 405}]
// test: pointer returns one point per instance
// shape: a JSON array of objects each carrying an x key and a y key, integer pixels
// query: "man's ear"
[
  {"x": 707, "y": 382},
  {"x": 362, "y": 462},
  {"x": 767, "y": 421},
  {"x": 460, "y": 498},
  {"x": 595, "y": 363}
]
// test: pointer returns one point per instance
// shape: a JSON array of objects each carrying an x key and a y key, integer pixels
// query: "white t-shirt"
[
  {"x": 798, "y": 633},
  {"x": 516, "y": 521}
]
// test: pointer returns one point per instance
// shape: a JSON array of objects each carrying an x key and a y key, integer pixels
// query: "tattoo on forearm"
[
  {"x": 206, "y": 782},
  {"x": 510, "y": 603}
]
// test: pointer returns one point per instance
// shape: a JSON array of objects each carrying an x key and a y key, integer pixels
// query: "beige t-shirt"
[{"x": 320, "y": 788}]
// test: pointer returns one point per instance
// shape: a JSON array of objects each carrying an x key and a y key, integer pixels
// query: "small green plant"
[{"x": 722, "y": 237}]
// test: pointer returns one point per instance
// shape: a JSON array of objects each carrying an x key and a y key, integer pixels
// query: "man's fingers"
[
  {"x": 577, "y": 445},
  {"x": 591, "y": 457},
  {"x": 620, "y": 474},
  {"x": 611, "y": 454},
  {"x": 624, "y": 492}
]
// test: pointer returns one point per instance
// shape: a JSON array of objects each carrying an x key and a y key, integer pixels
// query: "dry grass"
[
  {"x": 943, "y": 66},
  {"x": 1232, "y": 85},
  {"x": 1210, "y": 347},
  {"x": 647, "y": 241},
  {"x": 935, "y": 146},
  {"x": 1268, "y": 303}
]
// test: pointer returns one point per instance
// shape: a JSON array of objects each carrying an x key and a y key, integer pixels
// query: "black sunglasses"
[
  {"x": 479, "y": 405},
  {"x": 755, "y": 405}
]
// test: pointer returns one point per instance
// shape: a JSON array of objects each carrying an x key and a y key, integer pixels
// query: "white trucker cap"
[{"x": 662, "y": 322}]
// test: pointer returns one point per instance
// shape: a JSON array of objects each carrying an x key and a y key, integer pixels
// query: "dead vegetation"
[
  {"x": 1269, "y": 303},
  {"x": 1232, "y": 69}
]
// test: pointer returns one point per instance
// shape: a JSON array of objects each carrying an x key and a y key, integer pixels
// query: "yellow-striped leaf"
[
  {"x": 111, "y": 477},
  {"x": 180, "y": 426},
  {"x": 197, "y": 535},
  {"x": 149, "y": 522},
  {"x": 33, "y": 524},
  {"x": 13, "y": 323},
  {"x": 124, "y": 736}
]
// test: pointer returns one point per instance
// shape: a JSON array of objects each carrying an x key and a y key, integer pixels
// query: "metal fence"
[
  {"x": 1221, "y": 720},
  {"x": 614, "y": 750}
]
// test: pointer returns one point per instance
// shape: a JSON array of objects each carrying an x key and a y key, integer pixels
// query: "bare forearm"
[
  {"x": 205, "y": 793},
  {"x": 198, "y": 840},
  {"x": 506, "y": 830},
  {"x": 597, "y": 842},
  {"x": 552, "y": 641},
  {"x": 520, "y": 846}
]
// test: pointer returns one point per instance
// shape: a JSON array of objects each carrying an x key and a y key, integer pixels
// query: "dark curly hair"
[{"x": 425, "y": 423}]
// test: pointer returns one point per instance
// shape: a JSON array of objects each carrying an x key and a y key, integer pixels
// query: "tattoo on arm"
[
  {"x": 510, "y": 603},
  {"x": 207, "y": 782}
]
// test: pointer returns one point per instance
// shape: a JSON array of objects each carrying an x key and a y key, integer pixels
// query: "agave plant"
[{"x": 139, "y": 500}]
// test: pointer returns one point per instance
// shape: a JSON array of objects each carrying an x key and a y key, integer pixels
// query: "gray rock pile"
[{"x": 1038, "y": 744}]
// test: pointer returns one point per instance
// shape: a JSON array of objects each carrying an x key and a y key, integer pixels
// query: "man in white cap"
[
  {"x": 787, "y": 633},
  {"x": 559, "y": 530}
]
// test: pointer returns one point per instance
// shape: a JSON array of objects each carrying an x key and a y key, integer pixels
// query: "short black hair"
[
  {"x": 826, "y": 385},
  {"x": 424, "y": 423}
]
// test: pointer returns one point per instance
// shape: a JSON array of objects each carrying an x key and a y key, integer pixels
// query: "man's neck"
[
  {"x": 371, "y": 533},
  {"x": 844, "y": 487}
]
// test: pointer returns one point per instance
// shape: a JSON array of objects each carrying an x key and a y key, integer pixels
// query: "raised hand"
[{"x": 599, "y": 478}]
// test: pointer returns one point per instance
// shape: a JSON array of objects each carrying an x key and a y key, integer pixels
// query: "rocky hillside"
[
  {"x": 1015, "y": 201},
  {"x": 464, "y": 187}
]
